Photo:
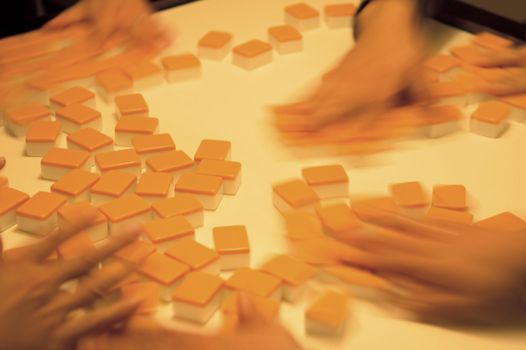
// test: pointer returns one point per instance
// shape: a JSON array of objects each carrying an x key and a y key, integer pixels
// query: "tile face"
[
  {"x": 330, "y": 309},
  {"x": 41, "y": 206},
  {"x": 226, "y": 169},
  {"x": 43, "y": 131},
  {"x": 169, "y": 162},
  {"x": 492, "y": 112},
  {"x": 409, "y": 194},
  {"x": 69, "y": 213},
  {"x": 268, "y": 308},
  {"x": 252, "y": 281},
  {"x": 231, "y": 239},
  {"x": 27, "y": 114},
  {"x": 506, "y": 221},
  {"x": 290, "y": 270},
  {"x": 116, "y": 160},
  {"x": 301, "y": 225},
  {"x": 136, "y": 251},
  {"x": 252, "y": 48},
  {"x": 142, "y": 70},
  {"x": 154, "y": 184},
  {"x": 173, "y": 63},
  {"x": 215, "y": 39},
  {"x": 301, "y": 11},
  {"x": 11, "y": 199},
  {"x": 78, "y": 114},
  {"x": 198, "y": 288},
  {"x": 114, "y": 183},
  {"x": 74, "y": 95},
  {"x": 449, "y": 197},
  {"x": 162, "y": 269},
  {"x": 137, "y": 125},
  {"x": 192, "y": 253},
  {"x": 340, "y": 10},
  {"x": 114, "y": 81},
  {"x": 213, "y": 149},
  {"x": 131, "y": 104},
  {"x": 284, "y": 33},
  {"x": 199, "y": 184},
  {"x": 65, "y": 158},
  {"x": 180, "y": 204},
  {"x": 125, "y": 207},
  {"x": 75, "y": 182},
  {"x": 144, "y": 145},
  {"x": 323, "y": 175},
  {"x": 167, "y": 229},
  {"x": 296, "y": 193},
  {"x": 89, "y": 139}
]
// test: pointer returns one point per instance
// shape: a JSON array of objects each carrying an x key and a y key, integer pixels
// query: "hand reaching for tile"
[
  {"x": 513, "y": 63},
  {"x": 129, "y": 17},
  {"x": 254, "y": 332},
  {"x": 34, "y": 308},
  {"x": 449, "y": 272},
  {"x": 2, "y": 162},
  {"x": 371, "y": 77}
]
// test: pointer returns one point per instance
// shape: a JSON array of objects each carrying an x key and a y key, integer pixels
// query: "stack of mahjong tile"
[{"x": 320, "y": 214}]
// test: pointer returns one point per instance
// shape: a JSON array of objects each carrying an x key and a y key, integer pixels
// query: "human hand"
[
  {"x": 36, "y": 314},
  {"x": 129, "y": 17},
  {"x": 448, "y": 272},
  {"x": 512, "y": 80},
  {"x": 253, "y": 332},
  {"x": 371, "y": 77},
  {"x": 2, "y": 162}
]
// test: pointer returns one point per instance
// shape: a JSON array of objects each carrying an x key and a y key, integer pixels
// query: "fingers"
[
  {"x": 99, "y": 320},
  {"x": 71, "y": 16},
  {"x": 80, "y": 266},
  {"x": 248, "y": 315},
  {"x": 95, "y": 286},
  {"x": 2, "y": 162},
  {"x": 505, "y": 58},
  {"x": 420, "y": 229},
  {"x": 42, "y": 250}
]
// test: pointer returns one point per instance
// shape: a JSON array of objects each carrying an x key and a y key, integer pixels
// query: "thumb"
[{"x": 71, "y": 16}]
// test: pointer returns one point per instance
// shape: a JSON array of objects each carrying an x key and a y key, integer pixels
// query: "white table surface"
[{"x": 230, "y": 103}]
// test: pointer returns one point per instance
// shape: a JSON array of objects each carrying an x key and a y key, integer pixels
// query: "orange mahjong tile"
[
  {"x": 180, "y": 62},
  {"x": 43, "y": 131},
  {"x": 199, "y": 184},
  {"x": 78, "y": 114},
  {"x": 450, "y": 197},
  {"x": 131, "y": 104},
  {"x": 215, "y": 39},
  {"x": 296, "y": 193},
  {"x": 147, "y": 292},
  {"x": 41, "y": 206},
  {"x": 117, "y": 160},
  {"x": 330, "y": 309},
  {"x": 89, "y": 139},
  {"x": 75, "y": 182},
  {"x": 448, "y": 215},
  {"x": 162, "y": 230},
  {"x": 324, "y": 175},
  {"x": 136, "y": 251},
  {"x": 169, "y": 162},
  {"x": 124, "y": 208},
  {"x": 114, "y": 81},
  {"x": 518, "y": 101},
  {"x": 147, "y": 144},
  {"x": 154, "y": 184},
  {"x": 162, "y": 269},
  {"x": 338, "y": 218},
  {"x": 29, "y": 113},
  {"x": 213, "y": 149},
  {"x": 137, "y": 125},
  {"x": 284, "y": 33},
  {"x": 288, "y": 269},
  {"x": 409, "y": 194},
  {"x": 69, "y": 214},
  {"x": 11, "y": 199},
  {"x": 268, "y": 308},
  {"x": 340, "y": 10},
  {"x": 469, "y": 54},
  {"x": 301, "y": 11},
  {"x": 491, "y": 41},
  {"x": 442, "y": 114},
  {"x": 74, "y": 95},
  {"x": 114, "y": 183},
  {"x": 65, "y": 158},
  {"x": 231, "y": 239},
  {"x": 225, "y": 169},
  {"x": 252, "y": 48},
  {"x": 198, "y": 288},
  {"x": 192, "y": 253},
  {"x": 506, "y": 221},
  {"x": 441, "y": 63},
  {"x": 493, "y": 112},
  {"x": 374, "y": 208},
  {"x": 300, "y": 225},
  {"x": 356, "y": 276},
  {"x": 254, "y": 282},
  {"x": 142, "y": 70},
  {"x": 76, "y": 246},
  {"x": 180, "y": 204}
]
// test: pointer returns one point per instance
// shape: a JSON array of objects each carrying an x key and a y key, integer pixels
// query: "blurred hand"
[
  {"x": 449, "y": 272},
  {"x": 254, "y": 332},
  {"x": 129, "y": 17},
  {"x": 513, "y": 63},
  {"x": 371, "y": 77},
  {"x": 36, "y": 314},
  {"x": 2, "y": 162}
]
